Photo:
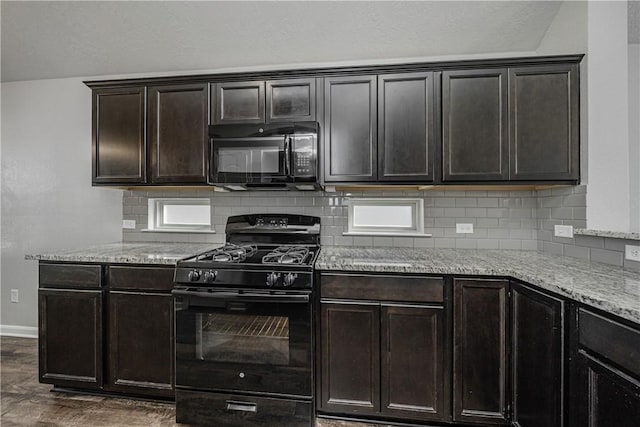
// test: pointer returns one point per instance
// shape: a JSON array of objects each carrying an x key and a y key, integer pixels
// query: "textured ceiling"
[{"x": 64, "y": 39}]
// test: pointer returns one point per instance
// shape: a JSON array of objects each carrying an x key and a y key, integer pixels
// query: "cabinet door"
[
  {"x": 412, "y": 362},
  {"x": 537, "y": 358},
  {"x": 291, "y": 100},
  {"x": 141, "y": 343},
  {"x": 405, "y": 127},
  {"x": 474, "y": 125},
  {"x": 606, "y": 396},
  {"x": 119, "y": 138},
  {"x": 70, "y": 338},
  {"x": 480, "y": 351},
  {"x": 178, "y": 135},
  {"x": 350, "y": 137},
  {"x": 238, "y": 102},
  {"x": 350, "y": 368},
  {"x": 544, "y": 122}
]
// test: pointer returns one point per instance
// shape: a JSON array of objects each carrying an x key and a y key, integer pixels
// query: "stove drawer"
[{"x": 231, "y": 410}]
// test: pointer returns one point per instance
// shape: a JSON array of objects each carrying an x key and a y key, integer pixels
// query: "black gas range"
[{"x": 244, "y": 325}]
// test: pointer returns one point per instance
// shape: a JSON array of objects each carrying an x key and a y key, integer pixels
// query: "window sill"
[
  {"x": 385, "y": 234},
  {"x": 177, "y": 230}
]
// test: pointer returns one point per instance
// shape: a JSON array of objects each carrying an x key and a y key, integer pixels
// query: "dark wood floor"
[{"x": 25, "y": 402}]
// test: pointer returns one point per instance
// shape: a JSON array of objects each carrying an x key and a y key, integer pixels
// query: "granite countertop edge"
[
  {"x": 126, "y": 253},
  {"x": 608, "y": 288}
]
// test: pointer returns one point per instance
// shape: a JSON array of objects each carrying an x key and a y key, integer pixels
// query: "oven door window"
[{"x": 241, "y": 338}]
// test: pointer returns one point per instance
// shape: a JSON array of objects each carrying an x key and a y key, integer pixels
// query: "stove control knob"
[
  {"x": 194, "y": 275},
  {"x": 289, "y": 279},
  {"x": 210, "y": 276},
  {"x": 272, "y": 279}
]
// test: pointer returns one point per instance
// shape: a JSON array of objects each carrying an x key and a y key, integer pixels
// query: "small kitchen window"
[
  {"x": 180, "y": 215},
  {"x": 394, "y": 217}
]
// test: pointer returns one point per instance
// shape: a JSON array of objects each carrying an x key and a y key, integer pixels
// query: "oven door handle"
[{"x": 245, "y": 297}]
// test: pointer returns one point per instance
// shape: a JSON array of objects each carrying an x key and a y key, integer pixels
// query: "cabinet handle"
[{"x": 241, "y": 406}]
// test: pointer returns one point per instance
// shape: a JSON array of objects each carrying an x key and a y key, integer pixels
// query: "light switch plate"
[
  {"x": 632, "y": 252},
  {"x": 129, "y": 224},
  {"x": 15, "y": 296},
  {"x": 464, "y": 228},
  {"x": 563, "y": 231}
]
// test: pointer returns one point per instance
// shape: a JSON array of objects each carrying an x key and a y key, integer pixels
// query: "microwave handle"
[{"x": 287, "y": 155}]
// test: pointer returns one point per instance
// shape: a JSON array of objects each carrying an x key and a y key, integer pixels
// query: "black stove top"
[
  {"x": 263, "y": 251},
  {"x": 254, "y": 254}
]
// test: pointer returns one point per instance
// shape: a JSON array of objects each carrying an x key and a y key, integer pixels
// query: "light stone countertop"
[
  {"x": 605, "y": 233},
  {"x": 608, "y": 288},
  {"x": 128, "y": 253}
]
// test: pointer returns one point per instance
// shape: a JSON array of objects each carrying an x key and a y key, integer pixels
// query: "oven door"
[
  {"x": 244, "y": 342},
  {"x": 251, "y": 160}
]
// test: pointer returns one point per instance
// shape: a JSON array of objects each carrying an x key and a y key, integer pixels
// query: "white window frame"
[
  {"x": 416, "y": 229},
  {"x": 156, "y": 221}
]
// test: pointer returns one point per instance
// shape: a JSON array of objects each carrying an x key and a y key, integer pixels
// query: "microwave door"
[{"x": 246, "y": 160}]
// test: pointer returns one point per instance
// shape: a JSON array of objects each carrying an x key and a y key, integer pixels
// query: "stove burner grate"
[
  {"x": 229, "y": 253},
  {"x": 287, "y": 255}
]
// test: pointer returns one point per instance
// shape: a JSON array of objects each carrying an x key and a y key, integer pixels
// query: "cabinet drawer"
[
  {"x": 615, "y": 341},
  {"x": 70, "y": 275},
  {"x": 141, "y": 278},
  {"x": 387, "y": 288},
  {"x": 204, "y": 408}
]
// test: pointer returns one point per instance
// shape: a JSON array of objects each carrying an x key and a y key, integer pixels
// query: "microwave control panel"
[{"x": 304, "y": 156}]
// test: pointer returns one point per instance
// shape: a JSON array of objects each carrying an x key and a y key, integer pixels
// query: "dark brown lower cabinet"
[
  {"x": 607, "y": 397},
  {"x": 70, "y": 337},
  {"x": 383, "y": 360},
  {"x": 537, "y": 358},
  {"x": 140, "y": 343},
  {"x": 350, "y": 358},
  {"x": 480, "y": 355},
  {"x": 412, "y": 376},
  {"x": 113, "y": 339}
]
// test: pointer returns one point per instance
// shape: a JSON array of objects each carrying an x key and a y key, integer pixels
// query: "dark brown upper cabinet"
[
  {"x": 350, "y": 129},
  {"x": 238, "y": 102},
  {"x": 537, "y": 359},
  {"x": 118, "y": 148},
  {"x": 291, "y": 100},
  {"x": 178, "y": 138},
  {"x": 474, "y": 125},
  {"x": 480, "y": 355},
  {"x": 264, "y": 101},
  {"x": 406, "y": 136},
  {"x": 544, "y": 122}
]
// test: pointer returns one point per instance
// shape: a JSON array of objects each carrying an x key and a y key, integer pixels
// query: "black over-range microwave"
[{"x": 273, "y": 156}]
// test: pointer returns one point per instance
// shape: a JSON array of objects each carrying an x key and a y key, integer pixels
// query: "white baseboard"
[{"x": 19, "y": 331}]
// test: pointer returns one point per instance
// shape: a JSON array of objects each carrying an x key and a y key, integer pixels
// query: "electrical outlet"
[
  {"x": 563, "y": 231},
  {"x": 464, "y": 228},
  {"x": 632, "y": 252},
  {"x": 129, "y": 223},
  {"x": 15, "y": 296}
]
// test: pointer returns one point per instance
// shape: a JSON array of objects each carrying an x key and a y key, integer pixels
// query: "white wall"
[
  {"x": 567, "y": 33},
  {"x": 47, "y": 199},
  {"x": 634, "y": 135},
  {"x": 608, "y": 117}
]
